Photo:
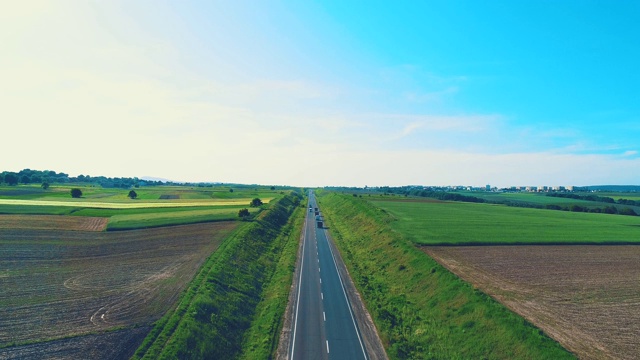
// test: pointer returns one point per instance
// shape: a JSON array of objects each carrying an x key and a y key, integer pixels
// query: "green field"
[
  {"x": 421, "y": 310},
  {"x": 155, "y": 219},
  {"x": 443, "y": 223}
]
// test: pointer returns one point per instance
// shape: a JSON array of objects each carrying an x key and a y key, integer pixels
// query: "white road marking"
[
  {"x": 324, "y": 316},
  {"x": 322, "y": 296},
  {"x": 346, "y": 299},
  {"x": 295, "y": 323},
  {"x": 327, "y": 346}
]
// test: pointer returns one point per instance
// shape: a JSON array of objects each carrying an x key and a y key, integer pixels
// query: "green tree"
[
  {"x": 256, "y": 202},
  {"x": 76, "y": 193},
  {"x": 628, "y": 211},
  {"x": 45, "y": 185},
  {"x": 244, "y": 213},
  {"x": 132, "y": 194},
  {"x": 11, "y": 178},
  {"x": 273, "y": 188},
  {"x": 230, "y": 190}
]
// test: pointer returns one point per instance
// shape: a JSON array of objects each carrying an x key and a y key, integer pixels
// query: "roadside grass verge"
[
  {"x": 213, "y": 315},
  {"x": 456, "y": 223},
  {"x": 261, "y": 340},
  {"x": 421, "y": 310}
]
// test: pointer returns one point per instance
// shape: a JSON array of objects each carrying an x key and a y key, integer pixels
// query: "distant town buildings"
[{"x": 541, "y": 188}]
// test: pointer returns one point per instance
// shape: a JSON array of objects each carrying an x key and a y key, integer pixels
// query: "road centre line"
[{"x": 327, "y": 346}]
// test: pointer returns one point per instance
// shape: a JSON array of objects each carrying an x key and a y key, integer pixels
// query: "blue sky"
[{"x": 325, "y": 92}]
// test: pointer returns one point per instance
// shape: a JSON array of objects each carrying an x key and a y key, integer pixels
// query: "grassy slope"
[
  {"x": 212, "y": 316},
  {"x": 433, "y": 223},
  {"x": 421, "y": 310},
  {"x": 261, "y": 340}
]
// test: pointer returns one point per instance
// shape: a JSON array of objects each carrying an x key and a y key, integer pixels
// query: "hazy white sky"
[{"x": 320, "y": 93}]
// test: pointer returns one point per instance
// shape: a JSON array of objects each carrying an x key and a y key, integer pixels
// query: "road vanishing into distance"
[{"x": 324, "y": 325}]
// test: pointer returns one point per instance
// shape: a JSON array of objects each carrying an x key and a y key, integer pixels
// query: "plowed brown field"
[
  {"x": 53, "y": 222},
  {"x": 60, "y": 283},
  {"x": 586, "y": 297}
]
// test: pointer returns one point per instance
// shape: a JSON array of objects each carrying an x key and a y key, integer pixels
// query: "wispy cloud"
[{"x": 433, "y": 96}]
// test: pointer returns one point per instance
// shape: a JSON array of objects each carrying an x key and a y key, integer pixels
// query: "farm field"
[
  {"x": 154, "y": 206},
  {"x": 52, "y": 222},
  {"x": 129, "y": 204},
  {"x": 431, "y": 222},
  {"x": 63, "y": 282},
  {"x": 586, "y": 297},
  {"x": 145, "y": 193},
  {"x": 155, "y": 219}
]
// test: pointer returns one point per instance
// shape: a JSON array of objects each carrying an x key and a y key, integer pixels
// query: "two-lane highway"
[{"x": 324, "y": 325}]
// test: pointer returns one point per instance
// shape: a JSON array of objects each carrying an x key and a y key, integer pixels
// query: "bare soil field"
[
  {"x": 63, "y": 283},
  {"x": 53, "y": 222},
  {"x": 119, "y": 344},
  {"x": 585, "y": 297}
]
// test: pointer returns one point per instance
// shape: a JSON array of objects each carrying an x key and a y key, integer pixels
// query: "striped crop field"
[{"x": 131, "y": 204}]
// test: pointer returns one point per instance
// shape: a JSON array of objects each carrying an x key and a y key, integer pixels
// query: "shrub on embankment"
[
  {"x": 422, "y": 310},
  {"x": 213, "y": 315}
]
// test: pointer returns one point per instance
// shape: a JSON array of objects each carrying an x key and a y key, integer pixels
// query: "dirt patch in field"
[
  {"x": 53, "y": 222},
  {"x": 60, "y": 283},
  {"x": 585, "y": 297},
  {"x": 169, "y": 197}
]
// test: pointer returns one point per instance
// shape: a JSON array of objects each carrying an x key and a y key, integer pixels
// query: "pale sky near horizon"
[{"x": 315, "y": 93}]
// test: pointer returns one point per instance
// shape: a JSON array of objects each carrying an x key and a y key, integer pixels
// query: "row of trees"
[
  {"x": 590, "y": 197},
  {"x": 244, "y": 213},
  {"x": 28, "y": 176},
  {"x": 604, "y": 210}
]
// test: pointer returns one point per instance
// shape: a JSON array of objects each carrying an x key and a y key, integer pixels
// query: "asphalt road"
[{"x": 324, "y": 325}]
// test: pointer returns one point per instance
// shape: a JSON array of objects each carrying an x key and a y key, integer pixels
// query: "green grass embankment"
[
  {"x": 213, "y": 315},
  {"x": 261, "y": 340},
  {"x": 421, "y": 310}
]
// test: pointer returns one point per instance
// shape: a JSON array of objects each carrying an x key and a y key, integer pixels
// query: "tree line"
[
  {"x": 604, "y": 199},
  {"x": 28, "y": 176}
]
